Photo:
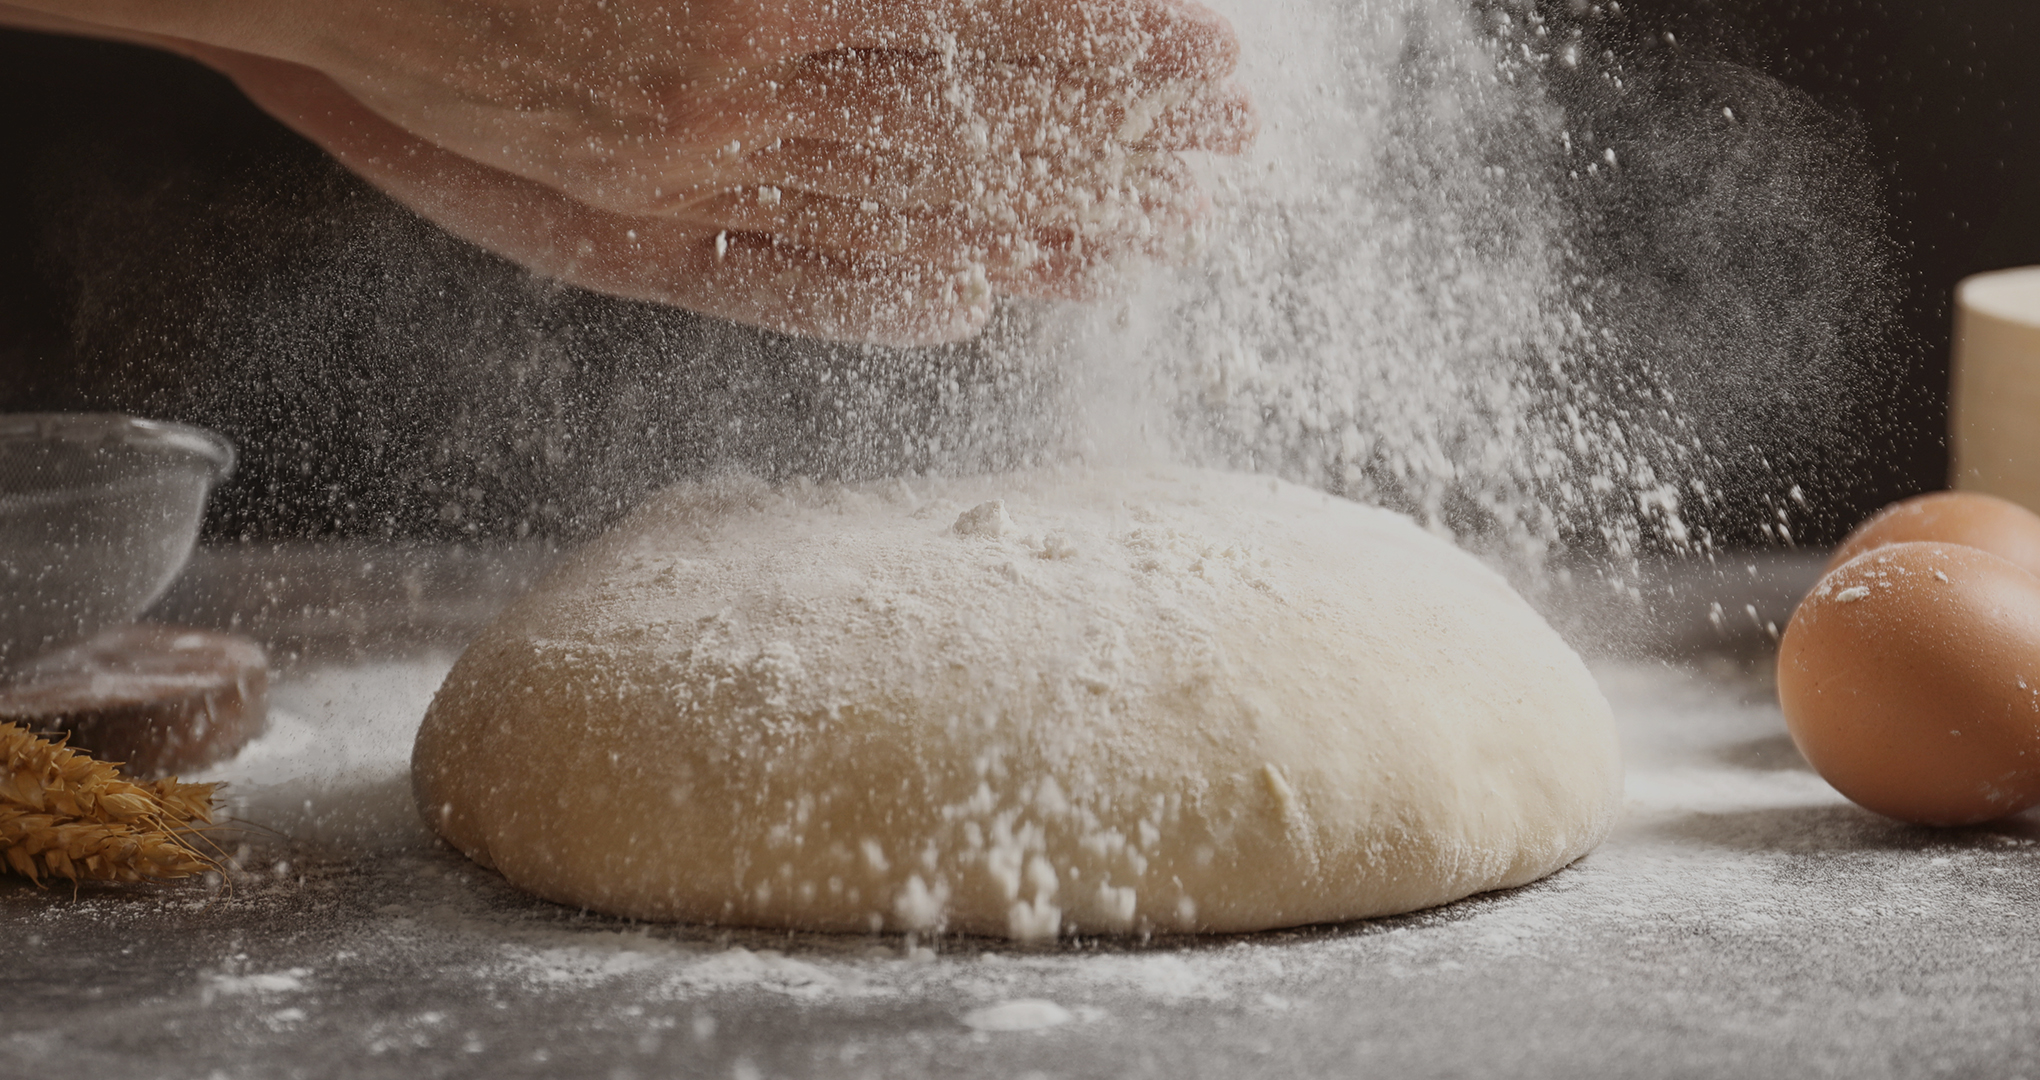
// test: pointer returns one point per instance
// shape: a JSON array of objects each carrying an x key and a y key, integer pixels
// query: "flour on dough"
[{"x": 1023, "y": 705}]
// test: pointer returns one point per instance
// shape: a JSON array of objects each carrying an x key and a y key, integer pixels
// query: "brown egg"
[
  {"x": 2005, "y": 529},
  {"x": 1910, "y": 679}
]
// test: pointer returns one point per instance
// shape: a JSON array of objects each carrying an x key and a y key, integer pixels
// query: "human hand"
[{"x": 871, "y": 169}]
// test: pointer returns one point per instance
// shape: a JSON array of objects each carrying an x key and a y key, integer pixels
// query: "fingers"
[
  {"x": 1058, "y": 262},
  {"x": 1013, "y": 151},
  {"x": 1129, "y": 196},
  {"x": 1074, "y": 256},
  {"x": 908, "y": 105},
  {"x": 1157, "y": 39},
  {"x": 1166, "y": 39},
  {"x": 1049, "y": 125},
  {"x": 989, "y": 109},
  {"x": 905, "y": 131},
  {"x": 760, "y": 280},
  {"x": 902, "y": 238},
  {"x": 1189, "y": 41},
  {"x": 988, "y": 126},
  {"x": 1219, "y": 119}
]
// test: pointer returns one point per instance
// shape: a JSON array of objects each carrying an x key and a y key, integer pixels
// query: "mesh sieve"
[{"x": 98, "y": 513}]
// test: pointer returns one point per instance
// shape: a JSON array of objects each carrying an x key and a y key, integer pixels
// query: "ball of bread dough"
[{"x": 1062, "y": 702}]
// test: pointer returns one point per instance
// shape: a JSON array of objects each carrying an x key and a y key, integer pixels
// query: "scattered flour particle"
[
  {"x": 1036, "y": 920},
  {"x": 274, "y": 982},
  {"x": 918, "y": 907},
  {"x": 985, "y": 519},
  {"x": 1850, "y": 596},
  {"x": 1056, "y": 546},
  {"x": 1024, "y": 1014}
]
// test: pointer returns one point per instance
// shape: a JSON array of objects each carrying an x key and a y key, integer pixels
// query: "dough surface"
[{"x": 1021, "y": 705}]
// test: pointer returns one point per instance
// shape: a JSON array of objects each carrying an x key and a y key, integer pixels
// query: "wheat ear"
[{"x": 66, "y": 814}]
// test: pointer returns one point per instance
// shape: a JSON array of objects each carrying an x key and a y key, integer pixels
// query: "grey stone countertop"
[{"x": 1743, "y": 921}]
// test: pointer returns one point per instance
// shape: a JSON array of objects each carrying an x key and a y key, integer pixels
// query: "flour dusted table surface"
[{"x": 1744, "y": 921}]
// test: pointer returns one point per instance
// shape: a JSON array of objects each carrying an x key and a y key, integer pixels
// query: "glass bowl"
[{"x": 98, "y": 513}]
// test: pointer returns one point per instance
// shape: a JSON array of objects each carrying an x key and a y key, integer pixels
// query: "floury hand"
[{"x": 871, "y": 169}]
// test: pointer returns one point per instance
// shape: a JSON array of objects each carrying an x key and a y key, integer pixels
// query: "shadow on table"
[
  {"x": 527, "y": 911},
  {"x": 1832, "y": 829}
]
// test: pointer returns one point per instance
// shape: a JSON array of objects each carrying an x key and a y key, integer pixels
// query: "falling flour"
[{"x": 1573, "y": 306}]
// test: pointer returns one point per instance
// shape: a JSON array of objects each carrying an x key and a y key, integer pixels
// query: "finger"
[
  {"x": 1084, "y": 261},
  {"x": 1055, "y": 269},
  {"x": 748, "y": 278},
  {"x": 1190, "y": 41},
  {"x": 1216, "y": 118},
  {"x": 1160, "y": 39}
]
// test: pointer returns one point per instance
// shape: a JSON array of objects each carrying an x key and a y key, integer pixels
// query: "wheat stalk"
[{"x": 66, "y": 814}]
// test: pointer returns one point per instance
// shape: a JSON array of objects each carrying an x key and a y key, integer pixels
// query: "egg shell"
[
  {"x": 1969, "y": 518},
  {"x": 1910, "y": 680}
]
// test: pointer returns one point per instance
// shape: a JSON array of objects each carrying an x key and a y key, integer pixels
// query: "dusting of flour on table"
[{"x": 1740, "y": 894}]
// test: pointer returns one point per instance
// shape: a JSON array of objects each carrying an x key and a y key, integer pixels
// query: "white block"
[{"x": 1994, "y": 420}]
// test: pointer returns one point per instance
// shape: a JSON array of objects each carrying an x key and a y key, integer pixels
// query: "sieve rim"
[{"x": 120, "y": 428}]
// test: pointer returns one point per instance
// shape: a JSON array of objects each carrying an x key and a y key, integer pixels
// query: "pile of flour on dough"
[{"x": 1062, "y": 702}]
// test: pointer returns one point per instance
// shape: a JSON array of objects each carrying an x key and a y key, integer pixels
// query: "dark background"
[
  {"x": 1947, "y": 94},
  {"x": 1936, "y": 104},
  {"x": 382, "y": 379}
]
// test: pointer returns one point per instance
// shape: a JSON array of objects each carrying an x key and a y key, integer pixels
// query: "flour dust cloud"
[{"x": 1571, "y": 303}]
